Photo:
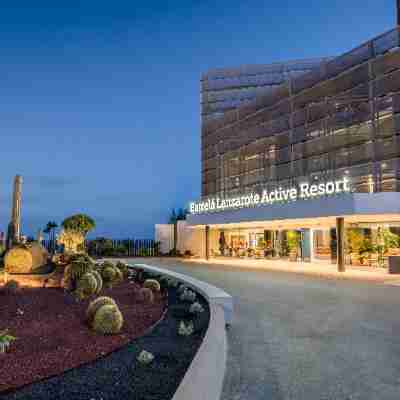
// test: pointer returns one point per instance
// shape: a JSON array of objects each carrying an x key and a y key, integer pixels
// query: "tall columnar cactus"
[
  {"x": 95, "y": 305},
  {"x": 108, "y": 320}
]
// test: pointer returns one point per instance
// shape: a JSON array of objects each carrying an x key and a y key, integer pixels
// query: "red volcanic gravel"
[{"x": 52, "y": 335}]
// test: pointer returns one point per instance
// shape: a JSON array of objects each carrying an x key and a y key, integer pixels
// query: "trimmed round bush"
[
  {"x": 152, "y": 284},
  {"x": 108, "y": 320},
  {"x": 147, "y": 295},
  {"x": 87, "y": 285},
  {"x": 99, "y": 280},
  {"x": 96, "y": 304}
]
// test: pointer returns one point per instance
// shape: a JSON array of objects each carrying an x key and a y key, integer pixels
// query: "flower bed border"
[{"x": 205, "y": 376}]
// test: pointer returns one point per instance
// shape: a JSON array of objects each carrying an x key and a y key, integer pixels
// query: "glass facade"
[
  {"x": 226, "y": 89},
  {"x": 342, "y": 118},
  {"x": 367, "y": 245}
]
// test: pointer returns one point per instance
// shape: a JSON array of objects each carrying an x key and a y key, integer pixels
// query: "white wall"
[
  {"x": 191, "y": 239},
  {"x": 188, "y": 238},
  {"x": 164, "y": 233}
]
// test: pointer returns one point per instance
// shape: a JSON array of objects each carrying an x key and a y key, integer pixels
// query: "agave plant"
[{"x": 5, "y": 340}]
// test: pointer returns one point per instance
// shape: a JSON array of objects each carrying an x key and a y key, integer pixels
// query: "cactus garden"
[
  {"x": 75, "y": 328},
  {"x": 51, "y": 330},
  {"x": 109, "y": 332}
]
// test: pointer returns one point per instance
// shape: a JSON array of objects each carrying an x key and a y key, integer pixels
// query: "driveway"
[{"x": 306, "y": 338}]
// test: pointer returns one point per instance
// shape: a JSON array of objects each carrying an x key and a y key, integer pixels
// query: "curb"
[
  {"x": 213, "y": 294},
  {"x": 204, "y": 378}
]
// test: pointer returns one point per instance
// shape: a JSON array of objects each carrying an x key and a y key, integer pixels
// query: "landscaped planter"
[
  {"x": 120, "y": 375},
  {"x": 52, "y": 336}
]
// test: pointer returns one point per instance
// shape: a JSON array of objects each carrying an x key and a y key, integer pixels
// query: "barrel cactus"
[
  {"x": 87, "y": 285},
  {"x": 23, "y": 260},
  {"x": 108, "y": 274},
  {"x": 152, "y": 284},
  {"x": 95, "y": 305},
  {"x": 108, "y": 320},
  {"x": 123, "y": 268},
  {"x": 99, "y": 280},
  {"x": 119, "y": 277},
  {"x": 79, "y": 267},
  {"x": 67, "y": 282}
]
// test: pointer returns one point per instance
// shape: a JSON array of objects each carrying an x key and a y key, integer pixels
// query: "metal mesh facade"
[
  {"x": 225, "y": 89},
  {"x": 340, "y": 119}
]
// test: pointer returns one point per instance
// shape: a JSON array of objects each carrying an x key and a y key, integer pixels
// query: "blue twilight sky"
[{"x": 99, "y": 100}]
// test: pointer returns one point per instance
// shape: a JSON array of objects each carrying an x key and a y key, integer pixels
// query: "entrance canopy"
[{"x": 354, "y": 207}]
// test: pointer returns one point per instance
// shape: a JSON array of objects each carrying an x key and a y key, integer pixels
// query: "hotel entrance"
[
  {"x": 353, "y": 229},
  {"x": 262, "y": 243},
  {"x": 366, "y": 244}
]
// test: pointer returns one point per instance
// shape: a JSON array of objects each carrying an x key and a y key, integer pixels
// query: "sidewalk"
[{"x": 321, "y": 270}]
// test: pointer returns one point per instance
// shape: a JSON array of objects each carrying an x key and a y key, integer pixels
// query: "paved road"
[{"x": 305, "y": 338}]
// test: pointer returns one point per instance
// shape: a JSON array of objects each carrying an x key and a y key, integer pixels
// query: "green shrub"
[
  {"x": 5, "y": 340},
  {"x": 87, "y": 285},
  {"x": 108, "y": 320},
  {"x": 145, "y": 357},
  {"x": 95, "y": 305},
  {"x": 152, "y": 284},
  {"x": 185, "y": 329},
  {"x": 99, "y": 280},
  {"x": 11, "y": 286}
]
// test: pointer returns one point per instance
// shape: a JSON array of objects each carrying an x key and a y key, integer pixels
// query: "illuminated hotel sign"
[{"x": 303, "y": 191}]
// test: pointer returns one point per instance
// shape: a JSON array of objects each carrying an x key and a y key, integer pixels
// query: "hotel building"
[
  {"x": 225, "y": 89},
  {"x": 307, "y": 169}
]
